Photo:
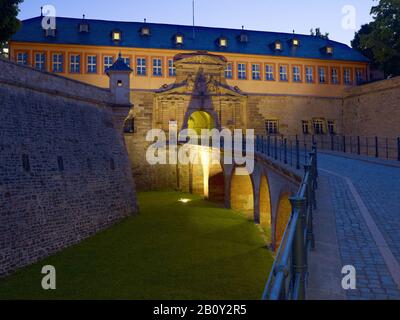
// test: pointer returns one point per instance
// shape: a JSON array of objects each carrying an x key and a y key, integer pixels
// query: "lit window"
[
  {"x": 283, "y": 74},
  {"x": 229, "y": 71},
  {"x": 278, "y": 46},
  {"x": 322, "y": 75},
  {"x": 157, "y": 67},
  {"x": 295, "y": 42},
  {"x": 306, "y": 127},
  {"x": 75, "y": 63},
  {"x": 242, "y": 74},
  {"x": 116, "y": 36},
  {"x": 108, "y": 62},
  {"x": 269, "y": 72},
  {"x": 319, "y": 126},
  {"x": 347, "y": 76},
  {"x": 119, "y": 83},
  {"x": 256, "y": 72},
  {"x": 223, "y": 42},
  {"x": 310, "y": 74},
  {"x": 145, "y": 31},
  {"x": 171, "y": 68},
  {"x": 359, "y": 76},
  {"x": 22, "y": 58},
  {"x": 296, "y": 74},
  {"x": 272, "y": 126},
  {"x": 40, "y": 61},
  {"x": 335, "y": 76},
  {"x": 92, "y": 64},
  {"x": 141, "y": 68},
  {"x": 58, "y": 62},
  {"x": 331, "y": 127},
  {"x": 329, "y": 50},
  {"x": 179, "y": 39}
]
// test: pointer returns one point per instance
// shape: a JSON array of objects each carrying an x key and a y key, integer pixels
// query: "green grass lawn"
[{"x": 170, "y": 250}]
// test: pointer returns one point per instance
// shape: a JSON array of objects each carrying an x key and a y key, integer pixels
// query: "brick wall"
[{"x": 64, "y": 170}]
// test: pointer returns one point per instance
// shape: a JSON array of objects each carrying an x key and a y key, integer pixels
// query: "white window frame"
[
  {"x": 242, "y": 72},
  {"x": 229, "y": 71},
  {"x": 331, "y": 127},
  {"x": 57, "y": 62},
  {"x": 256, "y": 71},
  {"x": 347, "y": 76},
  {"x": 319, "y": 126},
  {"x": 283, "y": 73},
  {"x": 310, "y": 74},
  {"x": 306, "y": 125},
  {"x": 335, "y": 76},
  {"x": 171, "y": 68},
  {"x": 269, "y": 72},
  {"x": 141, "y": 66},
  {"x": 296, "y": 74},
  {"x": 359, "y": 76},
  {"x": 91, "y": 65},
  {"x": 127, "y": 61},
  {"x": 157, "y": 67},
  {"x": 322, "y": 74},
  {"x": 108, "y": 61},
  {"x": 75, "y": 63},
  {"x": 40, "y": 64},
  {"x": 272, "y": 127},
  {"x": 22, "y": 58}
]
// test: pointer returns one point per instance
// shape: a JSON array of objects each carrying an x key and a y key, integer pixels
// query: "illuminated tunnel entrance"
[{"x": 201, "y": 120}]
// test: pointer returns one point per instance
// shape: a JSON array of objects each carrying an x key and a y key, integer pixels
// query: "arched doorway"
[
  {"x": 199, "y": 120},
  {"x": 242, "y": 196},
  {"x": 265, "y": 207},
  {"x": 216, "y": 183},
  {"x": 282, "y": 218}
]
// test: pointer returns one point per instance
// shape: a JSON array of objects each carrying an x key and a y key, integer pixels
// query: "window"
[
  {"x": 127, "y": 61},
  {"x": 22, "y": 58},
  {"x": 242, "y": 74},
  {"x": 295, "y": 42},
  {"x": 359, "y": 76},
  {"x": 92, "y": 64},
  {"x": 129, "y": 126},
  {"x": 335, "y": 76},
  {"x": 296, "y": 74},
  {"x": 108, "y": 62},
  {"x": 75, "y": 63},
  {"x": 229, "y": 71},
  {"x": 322, "y": 74},
  {"x": 40, "y": 61},
  {"x": 141, "y": 68},
  {"x": 178, "y": 39},
  {"x": 58, "y": 62},
  {"x": 306, "y": 127},
  {"x": 310, "y": 74},
  {"x": 347, "y": 76},
  {"x": 278, "y": 46},
  {"x": 272, "y": 126},
  {"x": 157, "y": 67},
  {"x": 283, "y": 73},
  {"x": 331, "y": 127},
  {"x": 319, "y": 126},
  {"x": 171, "y": 68},
  {"x": 256, "y": 71},
  {"x": 223, "y": 42},
  {"x": 116, "y": 36},
  {"x": 145, "y": 31},
  {"x": 269, "y": 72},
  {"x": 329, "y": 50}
]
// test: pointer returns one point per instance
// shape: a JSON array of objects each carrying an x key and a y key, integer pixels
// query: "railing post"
[
  {"x": 332, "y": 143},
  {"x": 299, "y": 248},
  {"x": 387, "y": 148},
  {"x": 269, "y": 146},
  {"x": 358, "y": 146},
  {"x": 376, "y": 147},
  {"x": 298, "y": 153},
  {"x": 398, "y": 149},
  {"x": 262, "y": 145},
  {"x": 285, "y": 150},
  {"x": 276, "y": 148},
  {"x": 344, "y": 144}
]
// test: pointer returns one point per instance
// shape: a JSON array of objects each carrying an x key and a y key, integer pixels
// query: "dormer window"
[
  {"x": 278, "y": 46},
  {"x": 145, "y": 31},
  {"x": 50, "y": 32},
  {"x": 179, "y": 39},
  {"x": 329, "y": 50},
  {"x": 223, "y": 42},
  {"x": 295, "y": 42},
  {"x": 116, "y": 36},
  {"x": 243, "y": 38},
  {"x": 83, "y": 27}
]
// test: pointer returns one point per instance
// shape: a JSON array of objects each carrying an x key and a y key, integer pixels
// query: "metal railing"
[{"x": 288, "y": 278}]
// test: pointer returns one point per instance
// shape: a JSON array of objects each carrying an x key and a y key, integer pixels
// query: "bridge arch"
[
  {"x": 216, "y": 183},
  {"x": 242, "y": 193},
  {"x": 265, "y": 205},
  {"x": 283, "y": 215}
]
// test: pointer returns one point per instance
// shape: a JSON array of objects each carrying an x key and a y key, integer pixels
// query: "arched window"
[{"x": 129, "y": 126}]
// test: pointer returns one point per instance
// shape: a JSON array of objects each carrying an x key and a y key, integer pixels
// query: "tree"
[
  {"x": 380, "y": 39},
  {"x": 9, "y": 23},
  {"x": 318, "y": 33}
]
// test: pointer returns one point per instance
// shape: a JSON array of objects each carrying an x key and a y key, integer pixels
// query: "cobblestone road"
[{"x": 378, "y": 187}]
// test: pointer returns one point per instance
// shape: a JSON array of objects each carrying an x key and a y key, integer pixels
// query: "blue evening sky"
[{"x": 266, "y": 15}]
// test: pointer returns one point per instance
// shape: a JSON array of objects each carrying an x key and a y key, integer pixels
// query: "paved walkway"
[{"x": 364, "y": 203}]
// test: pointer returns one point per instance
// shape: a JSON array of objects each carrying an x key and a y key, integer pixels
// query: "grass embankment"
[{"x": 171, "y": 250}]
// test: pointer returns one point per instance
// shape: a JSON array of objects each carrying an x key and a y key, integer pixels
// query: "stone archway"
[
  {"x": 200, "y": 120},
  {"x": 282, "y": 218},
  {"x": 216, "y": 183},
  {"x": 242, "y": 194}
]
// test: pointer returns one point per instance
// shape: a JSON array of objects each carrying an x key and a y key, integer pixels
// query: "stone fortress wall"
[{"x": 64, "y": 170}]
